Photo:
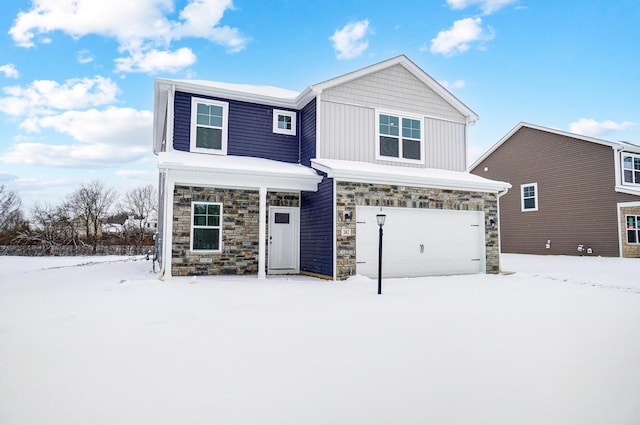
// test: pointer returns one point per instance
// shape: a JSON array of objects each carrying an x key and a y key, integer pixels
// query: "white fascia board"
[
  {"x": 628, "y": 190},
  {"x": 160, "y": 105},
  {"x": 412, "y": 179}
]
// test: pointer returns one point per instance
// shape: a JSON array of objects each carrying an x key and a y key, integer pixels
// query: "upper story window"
[
  {"x": 209, "y": 124},
  {"x": 206, "y": 226},
  {"x": 529, "y": 197},
  {"x": 631, "y": 169},
  {"x": 399, "y": 137},
  {"x": 284, "y": 122}
]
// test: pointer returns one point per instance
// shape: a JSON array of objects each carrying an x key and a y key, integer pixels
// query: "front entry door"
[{"x": 284, "y": 229}]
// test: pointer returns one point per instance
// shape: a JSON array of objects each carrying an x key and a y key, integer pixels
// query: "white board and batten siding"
[
  {"x": 348, "y": 127},
  {"x": 420, "y": 242}
]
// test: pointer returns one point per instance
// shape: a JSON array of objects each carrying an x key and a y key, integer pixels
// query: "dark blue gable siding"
[
  {"x": 308, "y": 133},
  {"x": 316, "y": 230},
  {"x": 250, "y": 130}
]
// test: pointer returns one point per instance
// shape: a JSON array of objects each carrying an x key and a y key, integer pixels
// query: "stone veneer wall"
[
  {"x": 240, "y": 212},
  {"x": 629, "y": 250},
  {"x": 349, "y": 195}
]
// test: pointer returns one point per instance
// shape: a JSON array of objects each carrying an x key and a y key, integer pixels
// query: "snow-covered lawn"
[{"x": 92, "y": 341}]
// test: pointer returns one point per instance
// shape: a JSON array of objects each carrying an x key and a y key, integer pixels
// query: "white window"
[
  {"x": 631, "y": 169},
  {"x": 633, "y": 229},
  {"x": 399, "y": 137},
  {"x": 209, "y": 122},
  {"x": 206, "y": 226},
  {"x": 529, "y": 196},
  {"x": 284, "y": 122}
]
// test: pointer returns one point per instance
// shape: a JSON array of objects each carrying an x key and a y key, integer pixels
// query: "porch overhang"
[
  {"x": 407, "y": 176},
  {"x": 237, "y": 172}
]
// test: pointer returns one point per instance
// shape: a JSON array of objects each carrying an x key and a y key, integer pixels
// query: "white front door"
[{"x": 284, "y": 229}]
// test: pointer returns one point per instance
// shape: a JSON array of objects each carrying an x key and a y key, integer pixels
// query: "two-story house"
[
  {"x": 571, "y": 194},
  {"x": 257, "y": 180}
]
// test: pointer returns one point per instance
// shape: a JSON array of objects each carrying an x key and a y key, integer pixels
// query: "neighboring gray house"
[
  {"x": 257, "y": 180},
  {"x": 569, "y": 191}
]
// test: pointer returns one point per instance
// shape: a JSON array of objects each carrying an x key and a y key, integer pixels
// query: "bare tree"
[
  {"x": 141, "y": 203},
  {"x": 91, "y": 203},
  {"x": 11, "y": 216},
  {"x": 52, "y": 226}
]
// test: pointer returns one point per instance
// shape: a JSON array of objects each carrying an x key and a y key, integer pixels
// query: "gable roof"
[
  {"x": 621, "y": 146},
  {"x": 284, "y": 98},
  {"x": 410, "y": 66}
]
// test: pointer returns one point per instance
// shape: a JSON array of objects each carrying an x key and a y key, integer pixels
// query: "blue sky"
[{"x": 76, "y": 76}]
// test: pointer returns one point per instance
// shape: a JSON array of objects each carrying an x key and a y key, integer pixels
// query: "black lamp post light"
[{"x": 380, "y": 217}]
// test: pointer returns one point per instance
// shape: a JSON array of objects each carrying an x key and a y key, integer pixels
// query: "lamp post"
[{"x": 380, "y": 217}]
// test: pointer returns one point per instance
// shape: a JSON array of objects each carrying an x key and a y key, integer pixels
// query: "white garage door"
[{"x": 420, "y": 242}]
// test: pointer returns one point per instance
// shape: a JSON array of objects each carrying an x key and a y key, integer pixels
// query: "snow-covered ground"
[{"x": 99, "y": 341}]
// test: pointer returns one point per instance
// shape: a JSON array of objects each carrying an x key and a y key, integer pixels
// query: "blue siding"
[
  {"x": 316, "y": 230},
  {"x": 250, "y": 130},
  {"x": 308, "y": 133}
]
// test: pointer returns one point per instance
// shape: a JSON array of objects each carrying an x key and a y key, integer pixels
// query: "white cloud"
[
  {"x": 106, "y": 138},
  {"x": 460, "y": 36},
  {"x": 154, "y": 61},
  {"x": 144, "y": 175},
  {"x": 46, "y": 96},
  {"x": 117, "y": 126},
  {"x": 9, "y": 70},
  {"x": 457, "y": 84},
  {"x": 487, "y": 6},
  {"x": 84, "y": 56},
  {"x": 72, "y": 156},
  {"x": 350, "y": 41},
  {"x": 140, "y": 26},
  {"x": 593, "y": 128}
]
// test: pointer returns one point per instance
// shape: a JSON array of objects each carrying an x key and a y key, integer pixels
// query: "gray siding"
[
  {"x": 348, "y": 132},
  {"x": 576, "y": 196},
  {"x": 394, "y": 88}
]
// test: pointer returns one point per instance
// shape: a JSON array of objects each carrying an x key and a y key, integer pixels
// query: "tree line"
[{"x": 92, "y": 214}]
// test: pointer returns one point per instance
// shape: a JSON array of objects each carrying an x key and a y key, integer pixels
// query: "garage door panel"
[{"x": 420, "y": 242}]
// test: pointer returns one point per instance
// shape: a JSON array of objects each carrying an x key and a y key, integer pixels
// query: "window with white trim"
[
  {"x": 529, "y": 196},
  {"x": 399, "y": 137},
  {"x": 206, "y": 226},
  {"x": 633, "y": 232},
  {"x": 631, "y": 169},
  {"x": 209, "y": 123},
  {"x": 284, "y": 122}
]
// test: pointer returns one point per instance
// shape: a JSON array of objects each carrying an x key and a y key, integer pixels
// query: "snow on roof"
[
  {"x": 230, "y": 163},
  {"x": 268, "y": 91},
  {"x": 411, "y": 176}
]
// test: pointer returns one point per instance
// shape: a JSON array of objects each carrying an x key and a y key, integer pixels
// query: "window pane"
[
  {"x": 281, "y": 218},
  {"x": 637, "y": 177},
  {"x": 389, "y": 146},
  {"x": 529, "y": 191},
  {"x": 529, "y": 203},
  {"x": 632, "y": 236},
  {"x": 200, "y": 209},
  {"x": 206, "y": 239},
  {"x": 203, "y": 109},
  {"x": 199, "y": 220},
  {"x": 410, "y": 128},
  {"x": 410, "y": 149},
  {"x": 213, "y": 209},
  {"x": 636, "y": 163},
  {"x": 628, "y": 176},
  {"x": 631, "y": 222},
  {"x": 284, "y": 122},
  {"x": 213, "y": 220},
  {"x": 210, "y": 138},
  {"x": 389, "y": 125}
]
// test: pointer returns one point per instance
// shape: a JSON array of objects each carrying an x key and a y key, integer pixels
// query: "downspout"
[
  {"x": 500, "y": 195},
  {"x": 262, "y": 233}
]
